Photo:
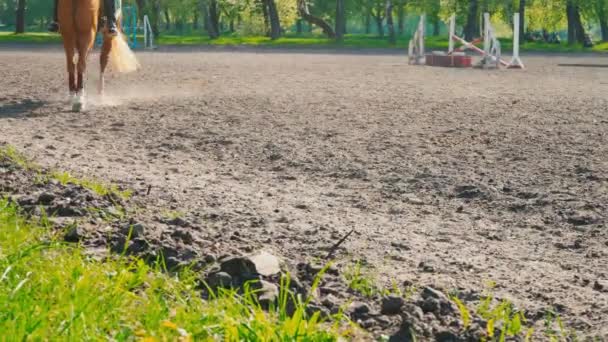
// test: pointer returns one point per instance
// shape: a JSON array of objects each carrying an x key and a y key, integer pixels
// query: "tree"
[
  {"x": 392, "y": 37},
  {"x": 20, "y": 17},
  {"x": 273, "y": 15},
  {"x": 378, "y": 12},
  {"x": 471, "y": 30},
  {"x": 314, "y": 20},
  {"x": 340, "y": 19},
  {"x": 576, "y": 31},
  {"x": 210, "y": 14},
  {"x": 522, "y": 19}
]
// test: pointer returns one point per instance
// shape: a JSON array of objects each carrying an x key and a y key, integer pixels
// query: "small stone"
[
  {"x": 383, "y": 320},
  {"x": 178, "y": 221},
  {"x": 358, "y": 308},
  {"x": 368, "y": 323},
  {"x": 430, "y": 305},
  {"x": 74, "y": 234},
  {"x": 447, "y": 336},
  {"x": 415, "y": 200},
  {"x": 400, "y": 245},
  {"x": 46, "y": 198},
  {"x": 391, "y": 305},
  {"x": 266, "y": 264},
  {"x": 219, "y": 279},
  {"x": 330, "y": 301},
  {"x": 414, "y": 311},
  {"x": 136, "y": 230},
  {"x": 209, "y": 258},
  {"x": 240, "y": 267},
  {"x": 268, "y": 294},
  {"x": 425, "y": 267},
  {"x": 468, "y": 191},
  {"x": 429, "y": 292},
  {"x": 324, "y": 312},
  {"x": 597, "y": 286}
]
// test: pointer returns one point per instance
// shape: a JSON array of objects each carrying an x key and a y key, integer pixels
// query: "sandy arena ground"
[{"x": 449, "y": 177}]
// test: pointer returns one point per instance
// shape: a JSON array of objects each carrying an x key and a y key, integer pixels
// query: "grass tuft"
[
  {"x": 50, "y": 290},
  {"x": 10, "y": 154}
]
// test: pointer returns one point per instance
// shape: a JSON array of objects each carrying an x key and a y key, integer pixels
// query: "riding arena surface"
[{"x": 449, "y": 177}]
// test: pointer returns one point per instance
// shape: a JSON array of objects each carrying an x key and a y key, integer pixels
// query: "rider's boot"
[
  {"x": 110, "y": 11},
  {"x": 54, "y": 25}
]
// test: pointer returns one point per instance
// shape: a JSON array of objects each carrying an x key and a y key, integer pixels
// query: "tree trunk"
[
  {"x": 167, "y": 20},
  {"x": 380, "y": 26},
  {"x": 231, "y": 28},
  {"x": 312, "y": 20},
  {"x": 576, "y": 32},
  {"x": 141, "y": 8},
  {"x": 275, "y": 22},
  {"x": 522, "y": 19},
  {"x": 195, "y": 21},
  {"x": 602, "y": 13},
  {"x": 155, "y": 17},
  {"x": 214, "y": 17},
  {"x": 368, "y": 23},
  {"x": 436, "y": 26},
  {"x": 400, "y": 19},
  {"x": 299, "y": 26},
  {"x": 340, "y": 19},
  {"x": 266, "y": 17},
  {"x": 20, "y": 17},
  {"x": 471, "y": 29},
  {"x": 208, "y": 19},
  {"x": 392, "y": 37},
  {"x": 604, "y": 29}
]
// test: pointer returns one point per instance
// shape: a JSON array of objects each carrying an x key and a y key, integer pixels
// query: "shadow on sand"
[{"x": 19, "y": 109}]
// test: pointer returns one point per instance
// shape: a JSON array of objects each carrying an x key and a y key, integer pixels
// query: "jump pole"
[
  {"x": 416, "y": 47},
  {"x": 148, "y": 34},
  {"x": 516, "y": 62}
]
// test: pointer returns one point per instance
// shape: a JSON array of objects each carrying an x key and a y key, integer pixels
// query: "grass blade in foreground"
[{"x": 50, "y": 290}]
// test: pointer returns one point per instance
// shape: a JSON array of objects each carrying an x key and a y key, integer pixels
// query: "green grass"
[
  {"x": 310, "y": 41},
  {"x": 365, "y": 282},
  {"x": 96, "y": 186},
  {"x": 505, "y": 322},
  {"x": 52, "y": 291},
  {"x": 30, "y": 37},
  {"x": 63, "y": 177}
]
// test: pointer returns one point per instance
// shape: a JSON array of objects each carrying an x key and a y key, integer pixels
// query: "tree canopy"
[{"x": 574, "y": 19}]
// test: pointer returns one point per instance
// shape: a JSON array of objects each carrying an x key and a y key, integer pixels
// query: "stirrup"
[{"x": 112, "y": 29}]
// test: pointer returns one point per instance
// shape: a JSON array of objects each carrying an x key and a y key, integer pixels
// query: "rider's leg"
[
  {"x": 110, "y": 12},
  {"x": 54, "y": 25}
]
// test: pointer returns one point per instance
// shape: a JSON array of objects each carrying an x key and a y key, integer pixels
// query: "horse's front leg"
[{"x": 80, "y": 101}]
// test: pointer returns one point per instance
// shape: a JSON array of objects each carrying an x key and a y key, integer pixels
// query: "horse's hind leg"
[
  {"x": 104, "y": 57},
  {"x": 71, "y": 66},
  {"x": 84, "y": 46}
]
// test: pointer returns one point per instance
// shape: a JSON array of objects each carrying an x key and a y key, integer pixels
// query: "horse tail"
[{"x": 121, "y": 56}]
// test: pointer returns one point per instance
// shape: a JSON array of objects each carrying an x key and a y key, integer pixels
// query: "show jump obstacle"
[{"x": 456, "y": 57}]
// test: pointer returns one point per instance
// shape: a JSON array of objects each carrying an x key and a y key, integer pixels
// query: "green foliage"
[
  {"x": 52, "y": 291},
  {"x": 464, "y": 312},
  {"x": 365, "y": 282},
  {"x": 502, "y": 314},
  {"x": 97, "y": 187},
  {"x": 11, "y": 154},
  {"x": 361, "y": 281}
]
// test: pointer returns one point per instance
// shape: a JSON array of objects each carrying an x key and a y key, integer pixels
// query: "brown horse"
[{"x": 78, "y": 21}]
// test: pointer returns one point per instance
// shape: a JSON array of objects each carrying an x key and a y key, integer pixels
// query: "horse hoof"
[{"x": 77, "y": 107}]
